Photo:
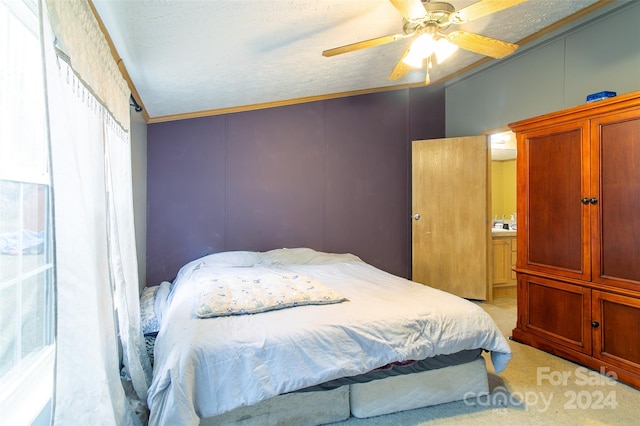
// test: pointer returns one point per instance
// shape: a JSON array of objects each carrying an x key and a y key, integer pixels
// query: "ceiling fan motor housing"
[
  {"x": 434, "y": 8},
  {"x": 437, "y": 14}
]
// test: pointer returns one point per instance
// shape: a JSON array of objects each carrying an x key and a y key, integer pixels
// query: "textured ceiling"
[{"x": 202, "y": 57}]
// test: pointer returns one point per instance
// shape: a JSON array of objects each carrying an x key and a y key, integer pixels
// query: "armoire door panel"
[
  {"x": 557, "y": 311},
  {"x": 557, "y": 219},
  {"x": 616, "y": 236},
  {"x": 617, "y": 333}
]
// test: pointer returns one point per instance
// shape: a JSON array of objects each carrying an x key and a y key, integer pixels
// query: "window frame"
[{"x": 28, "y": 387}]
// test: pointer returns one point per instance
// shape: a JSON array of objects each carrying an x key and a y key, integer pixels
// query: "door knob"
[
  {"x": 595, "y": 324},
  {"x": 416, "y": 216}
]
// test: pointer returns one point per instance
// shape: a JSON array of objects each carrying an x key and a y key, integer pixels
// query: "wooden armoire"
[{"x": 578, "y": 264}]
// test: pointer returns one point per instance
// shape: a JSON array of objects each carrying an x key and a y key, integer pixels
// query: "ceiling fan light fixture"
[
  {"x": 421, "y": 49},
  {"x": 444, "y": 49}
]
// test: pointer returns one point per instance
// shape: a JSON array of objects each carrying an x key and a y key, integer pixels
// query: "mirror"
[{"x": 503, "y": 174}]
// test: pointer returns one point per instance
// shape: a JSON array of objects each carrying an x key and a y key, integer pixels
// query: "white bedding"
[{"x": 204, "y": 367}]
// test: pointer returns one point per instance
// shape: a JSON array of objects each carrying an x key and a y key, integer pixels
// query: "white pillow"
[
  {"x": 225, "y": 258},
  {"x": 303, "y": 256},
  {"x": 232, "y": 258}
]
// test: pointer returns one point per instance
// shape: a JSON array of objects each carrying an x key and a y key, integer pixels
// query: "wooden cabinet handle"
[{"x": 595, "y": 324}]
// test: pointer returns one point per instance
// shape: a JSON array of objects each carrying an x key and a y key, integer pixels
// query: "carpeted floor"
[{"x": 536, "y": 389}]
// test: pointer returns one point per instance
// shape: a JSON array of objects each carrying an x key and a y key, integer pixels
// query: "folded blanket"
[{"x": 255, "y": 290}]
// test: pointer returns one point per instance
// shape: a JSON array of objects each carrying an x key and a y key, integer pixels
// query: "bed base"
[
  {"x": 417, "y": 390},
  {"x": 297, "y": 408},
  {"x": 364, "y": 400}
]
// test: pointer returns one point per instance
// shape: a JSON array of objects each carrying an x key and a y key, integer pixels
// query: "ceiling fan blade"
[
  {"x": 401, "y": 69},
  {"x": 482, "y": 8},
  {"x": 480, "y": 44},
  {"x": 410, "y": 9},
  {"x": 364, "y": 44}
]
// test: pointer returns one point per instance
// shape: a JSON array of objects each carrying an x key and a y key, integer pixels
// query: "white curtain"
[
  {"x": 95, "y": 247},
  {"x": 123, "y": 260}
]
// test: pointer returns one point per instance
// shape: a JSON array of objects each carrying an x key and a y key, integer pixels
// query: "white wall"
[
  {"x": 600, "y": 55},
  {"x": 139, "y": 174}
]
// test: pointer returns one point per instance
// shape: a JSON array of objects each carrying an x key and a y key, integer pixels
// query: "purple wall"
[{"x": 331, "y": 175}]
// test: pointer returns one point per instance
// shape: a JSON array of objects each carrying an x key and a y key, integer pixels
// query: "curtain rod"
[{"x": 134, "y": 103}]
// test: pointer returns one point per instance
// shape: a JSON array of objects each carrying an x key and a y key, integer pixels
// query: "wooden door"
[
  {"x": 615, "y": 183},
  {"x": 451, "y": 236}
]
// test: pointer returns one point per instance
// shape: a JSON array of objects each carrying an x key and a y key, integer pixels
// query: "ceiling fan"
[{"x": 430, "y": 23}]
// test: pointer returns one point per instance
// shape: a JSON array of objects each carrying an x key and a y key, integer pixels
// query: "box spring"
[{"x": 364, "y": 399}]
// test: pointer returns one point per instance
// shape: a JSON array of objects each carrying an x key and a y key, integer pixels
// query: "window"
[{"x": 26, "y": 243}]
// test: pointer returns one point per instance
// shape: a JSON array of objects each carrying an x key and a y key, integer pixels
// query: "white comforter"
[{"x": 205, "y": 367}]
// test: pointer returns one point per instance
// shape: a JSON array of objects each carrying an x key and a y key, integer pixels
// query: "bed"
[{"x": 328, "y": 336}]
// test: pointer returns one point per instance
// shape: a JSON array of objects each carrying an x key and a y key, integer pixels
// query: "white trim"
[
  {"x": 25, "y": 276},
  {"x": 26, "y": 11},
  {"x": 25, "y": 393},
  {"x": 21, "y": 175}
]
